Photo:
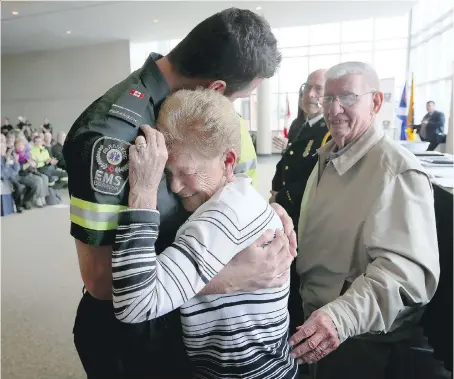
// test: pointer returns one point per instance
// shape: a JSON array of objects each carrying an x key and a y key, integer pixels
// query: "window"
[
  {"x": 294, "y": 51},
  {"x": 323, "y": 61},
  {"x": 324, "y": 49},
  {"x": 292, "y": 73},
  {"x": 324, "y": 34},
  {"x": 293, "y": 37},
  {"x": 391, "y": 64},
  {"x": 391, "y": 27},
  {"x": 356, "y": 47},
  {"x": 355, "y": 31},
  {"x": 387, "y": 44},
  {"x": 357, "y": 57}
]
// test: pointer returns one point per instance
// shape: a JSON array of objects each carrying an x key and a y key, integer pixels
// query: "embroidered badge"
[{"x": 109, "y": 165}]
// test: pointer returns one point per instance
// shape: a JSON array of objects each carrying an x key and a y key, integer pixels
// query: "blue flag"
[{"x": 402, "y": 113}]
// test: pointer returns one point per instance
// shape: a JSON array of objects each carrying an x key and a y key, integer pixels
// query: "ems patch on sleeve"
[{"x": 109, "y": 165}]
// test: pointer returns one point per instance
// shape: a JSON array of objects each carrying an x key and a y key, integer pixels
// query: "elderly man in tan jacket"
[{"x": 368, "y": 253}]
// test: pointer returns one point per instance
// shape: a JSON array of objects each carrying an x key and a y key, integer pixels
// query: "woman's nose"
[{"x": 175, "y": 184}]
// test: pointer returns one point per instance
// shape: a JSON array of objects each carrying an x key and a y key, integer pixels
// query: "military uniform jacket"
[
  {"x": 96, "y": 156},
  {"x": 296, "y": 165}
]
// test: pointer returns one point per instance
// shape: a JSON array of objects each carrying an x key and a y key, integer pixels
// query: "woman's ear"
[{"x": 230, "y": 160}]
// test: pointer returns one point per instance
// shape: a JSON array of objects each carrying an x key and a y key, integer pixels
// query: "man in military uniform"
[
  {"x": 231, "y": 52},
  {"x": 299, "y": 158},
  {"x": 295, "y": 167}
]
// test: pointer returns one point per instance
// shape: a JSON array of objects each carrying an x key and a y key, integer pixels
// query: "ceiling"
[{"x": 43, "y": 25}]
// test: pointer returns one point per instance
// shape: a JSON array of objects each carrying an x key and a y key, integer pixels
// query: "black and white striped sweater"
[{"x": 240, "y": 335}]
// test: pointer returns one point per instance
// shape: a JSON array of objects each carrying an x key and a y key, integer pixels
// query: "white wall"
[{"x": 60, "y": 84}]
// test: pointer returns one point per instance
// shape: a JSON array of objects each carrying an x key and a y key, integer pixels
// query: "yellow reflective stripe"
[
  {"x": 325, "y": 139},
  {"x": 94, "y": 225},
  {"x": 247, "y": 146},
  {"x": 83, "y": 204},
  {"x": 94, "y": 216}
]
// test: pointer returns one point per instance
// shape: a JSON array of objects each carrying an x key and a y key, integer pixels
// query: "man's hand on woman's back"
[{"x": 261, "y": 265}]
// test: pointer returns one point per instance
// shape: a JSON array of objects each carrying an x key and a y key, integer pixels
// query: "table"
[{"x": 437, "y": 321}]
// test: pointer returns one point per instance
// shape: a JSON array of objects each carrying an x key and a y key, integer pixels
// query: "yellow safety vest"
[{"x": 248, "y": 158}]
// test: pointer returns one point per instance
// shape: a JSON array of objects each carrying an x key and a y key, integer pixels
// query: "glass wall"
[
  {"x": 432, "y": 54},
  {"x": 380, "y": 41}
]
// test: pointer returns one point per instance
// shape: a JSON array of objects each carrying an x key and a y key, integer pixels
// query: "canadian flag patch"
[{"x": 135, "y": 93}]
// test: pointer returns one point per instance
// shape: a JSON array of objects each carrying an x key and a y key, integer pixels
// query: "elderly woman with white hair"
[{"x": 235, "y": 335}]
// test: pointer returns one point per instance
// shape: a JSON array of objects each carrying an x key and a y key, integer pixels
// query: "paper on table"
[{"x": 444, "y": 182}]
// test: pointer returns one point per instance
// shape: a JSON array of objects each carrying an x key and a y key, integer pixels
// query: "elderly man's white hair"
[{"x": 355, "y": 68}]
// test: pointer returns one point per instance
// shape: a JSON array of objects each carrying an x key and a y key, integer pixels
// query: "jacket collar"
[
  {"x": 153, "y": 80},
  {"x": 314, "y": 120},
  {"x": 354, "y": 151}
]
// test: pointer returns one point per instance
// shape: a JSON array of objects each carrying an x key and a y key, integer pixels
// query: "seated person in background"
[
  {"x": 244, "y": 334},
  {"x": 32, "y": 137},
  {"x": 10, "y": 187},
  {"x": 20, "y": 122},
  {"x": 432, "y": 127},
  {"x": 57, "y": 150},
  {"x": 10, "y": 138},
  {"x": 48, "y": 142},
  {"x": 6, "y": 126},
  {"x": 46, "y": 126},
  {"x": 36, "y": 184},
  {"x": 45, "y": 163}
]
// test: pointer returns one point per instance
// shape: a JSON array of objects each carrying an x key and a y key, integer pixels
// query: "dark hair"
[
  {"x": 235, "y": 45},
  {"x": 430, "y": 102},
  {"x": 35, "y": 137}
]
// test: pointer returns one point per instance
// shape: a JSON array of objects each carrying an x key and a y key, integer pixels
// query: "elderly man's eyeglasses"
[
  {"x": 345, "y": 100},
  {"x": 305, "y": 88}
]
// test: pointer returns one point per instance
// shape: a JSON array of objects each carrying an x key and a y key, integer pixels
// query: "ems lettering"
[
  {"x": 106, "y": 178},
  {"x": 98, "y": 175}
]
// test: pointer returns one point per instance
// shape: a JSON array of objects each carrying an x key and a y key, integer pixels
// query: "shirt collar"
[
  {"x": 314, "y": 120},
  {"x": 354, "y": 151},
  {"x": 154, "y": 80}
]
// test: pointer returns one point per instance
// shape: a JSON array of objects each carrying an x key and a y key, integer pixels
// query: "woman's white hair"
[
  {"x": 355, "y": 68},
  {"x": 202, "y": 118}
]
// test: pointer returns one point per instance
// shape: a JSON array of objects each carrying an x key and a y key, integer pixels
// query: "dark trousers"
[
  {"x": 51, "y": 171},
  {"x": 109, "y": 349},
  {"x": 32, "y": 186},
  {"x": 364, "y": 359},
  {"x": 19, "y": 191},
  {"x": 434, "y": 141}
]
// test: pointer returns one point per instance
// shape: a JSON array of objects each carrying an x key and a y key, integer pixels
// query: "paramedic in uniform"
[
  {"x": 294, "y": 169},
  {"x": 367, "y": 237},
  {"x": 231, "y": 51}
]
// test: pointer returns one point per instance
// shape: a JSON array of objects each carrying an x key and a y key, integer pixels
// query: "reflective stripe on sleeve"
[
  {"x": 246, "y": 166},
  {"x": 94, "y": 216}
]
